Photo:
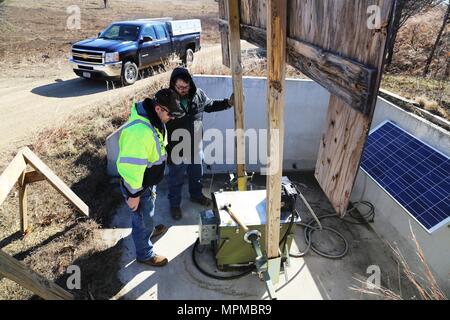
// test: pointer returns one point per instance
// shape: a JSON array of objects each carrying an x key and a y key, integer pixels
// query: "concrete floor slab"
[{"x": 312, "y": 277}]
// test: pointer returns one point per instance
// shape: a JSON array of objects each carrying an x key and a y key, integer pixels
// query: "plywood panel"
[
  {"x": 340, "y": 26},
  {"x": 340, "y": 152},
  {"x": 351, "y": 81}
]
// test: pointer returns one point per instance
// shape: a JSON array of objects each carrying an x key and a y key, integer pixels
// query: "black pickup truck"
[{"x": 126, "y": 47}]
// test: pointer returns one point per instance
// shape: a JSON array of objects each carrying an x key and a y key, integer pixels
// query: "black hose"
[
  {"x": 240, "y": 275},
  {"x": 316, "y": 225},
  {"x": 309, "y": 229}
]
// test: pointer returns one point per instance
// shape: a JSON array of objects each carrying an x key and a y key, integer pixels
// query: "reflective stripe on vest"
[
  {"x": 139, "y": 161},
  {"x": 131, "y": 188}
]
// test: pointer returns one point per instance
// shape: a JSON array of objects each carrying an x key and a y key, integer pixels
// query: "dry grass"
[
  {"x": 254, "y": 63},
  {"x": 432, "y": 95},
  {"x": 433, "y": 107},
  {"x": 404, "y": 76},
  {"x": 424, "y": 283},
  {"x": 75, "y": 151},
  {"x": 34, "y": 34},
  {"x": 414, "y": 43}
]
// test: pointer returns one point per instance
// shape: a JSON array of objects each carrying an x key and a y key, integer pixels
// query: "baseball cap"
[{"x": 168, "y": 99}]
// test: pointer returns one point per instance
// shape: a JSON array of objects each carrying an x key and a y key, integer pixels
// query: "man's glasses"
[
  {"x": 182, "y": 88},
  {"x": 172, "y": 114}
]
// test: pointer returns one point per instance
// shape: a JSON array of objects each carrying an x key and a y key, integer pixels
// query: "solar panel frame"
[{"x": 411, "y": 177}]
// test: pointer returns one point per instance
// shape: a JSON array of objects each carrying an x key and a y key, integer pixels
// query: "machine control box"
[{"x": 208, "y": 227}]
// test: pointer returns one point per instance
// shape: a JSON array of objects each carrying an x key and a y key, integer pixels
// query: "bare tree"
[
  {"x": 447, "y": 69},
  {"x": 436, "y": 43},
  {"x": 405, "y": 9}
]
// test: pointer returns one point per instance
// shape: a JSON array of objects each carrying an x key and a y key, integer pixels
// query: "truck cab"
[{"x": 124, "y": 48}]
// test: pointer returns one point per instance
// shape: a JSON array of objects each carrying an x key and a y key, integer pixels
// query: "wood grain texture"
[
  {"x": 223, "y": 14},
  {"x": 338, "y": 27},
  {"x": 23, "y": 204},
  {"x": 340, "y": 152},
  {"x": 11, "y": 175},
  {"x": 238, "y": 89},
  {"x": 18, "y": 272},
  {"x": 351, "y": 81},
  {"x": 276, "y": 63}
]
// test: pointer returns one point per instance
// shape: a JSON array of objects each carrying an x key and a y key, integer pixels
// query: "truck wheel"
[
  {"x": 188, "y": 57},
  {"x": 130, "y": 73}
]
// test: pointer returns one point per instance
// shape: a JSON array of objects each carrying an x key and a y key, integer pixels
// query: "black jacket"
[{"x": 198, "y": 102}]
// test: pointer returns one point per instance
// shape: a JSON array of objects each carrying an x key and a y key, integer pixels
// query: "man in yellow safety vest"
[{"x": 141, "y": 163}]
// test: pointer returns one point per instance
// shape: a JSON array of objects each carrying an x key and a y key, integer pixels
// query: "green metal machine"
[{"x": 236, "y": 229}]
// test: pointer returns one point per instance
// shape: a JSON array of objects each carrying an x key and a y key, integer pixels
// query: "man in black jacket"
[{"x": 194, "y": 101}]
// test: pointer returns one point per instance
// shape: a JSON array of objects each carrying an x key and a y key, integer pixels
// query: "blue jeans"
[
  {"x": 142, "y": 224},
  {"x": 176, "y": 181}
]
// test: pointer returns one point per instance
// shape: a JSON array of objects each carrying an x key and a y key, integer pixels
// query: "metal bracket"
[
  {"x": 267, "y": 269},
  {"x": 274, "y": 267}
]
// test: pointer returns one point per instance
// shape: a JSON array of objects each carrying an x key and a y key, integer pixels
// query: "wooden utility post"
[
  {"x": 236, "y": 72},
  {"x": 276, "y": 62}
]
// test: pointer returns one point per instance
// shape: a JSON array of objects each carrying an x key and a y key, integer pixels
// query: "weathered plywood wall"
[{"x": 340, "y": 44}]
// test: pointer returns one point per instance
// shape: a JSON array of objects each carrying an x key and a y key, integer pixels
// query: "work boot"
[
  {"x": 204, "y": 201},
  {"x": 156, "y": 261},
  {"x": 159, "y": 230},
  {"x": 176, "y": 213}
]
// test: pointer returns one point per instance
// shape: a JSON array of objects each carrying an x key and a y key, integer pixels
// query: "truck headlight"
[{"x": 111, "y": 57}]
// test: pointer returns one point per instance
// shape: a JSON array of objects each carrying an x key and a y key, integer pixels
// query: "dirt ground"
[
  {"x": 65, "y": 121},
  {"x": 35, "y": 39},
  {"x": 37, "y": 85}
]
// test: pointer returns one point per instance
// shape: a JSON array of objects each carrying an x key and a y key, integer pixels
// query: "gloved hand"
[{"x": 231, "y": 100}]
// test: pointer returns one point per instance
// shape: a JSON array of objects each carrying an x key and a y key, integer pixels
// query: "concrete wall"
[
  {"x": 305, "y": 113},
  {"x": 392, "y": 222}
]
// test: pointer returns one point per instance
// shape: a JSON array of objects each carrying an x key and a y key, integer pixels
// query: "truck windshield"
[{"x": 121, "y": 32}]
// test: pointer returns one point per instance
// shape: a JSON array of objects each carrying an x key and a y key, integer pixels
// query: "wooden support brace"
[
  {"x": 276, "y": 61},
  {"x": 54, "y": 180},
  {"x": 23, "y": 207},
  {"x": 26, "y": 178},
  {"x": 18, "y": 272},
  {"x": 11, "y": 175}
]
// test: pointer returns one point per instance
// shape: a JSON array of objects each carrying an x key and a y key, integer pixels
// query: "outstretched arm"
[{"x": 214, "y": 105}]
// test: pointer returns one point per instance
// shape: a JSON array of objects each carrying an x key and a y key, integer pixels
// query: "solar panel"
[{"x": 414, "y": 174}]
